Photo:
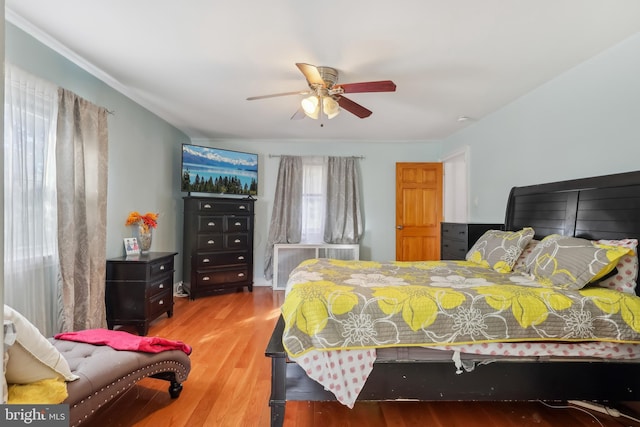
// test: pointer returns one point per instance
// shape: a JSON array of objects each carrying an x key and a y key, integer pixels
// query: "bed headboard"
[{"x": 603, "y": 207}]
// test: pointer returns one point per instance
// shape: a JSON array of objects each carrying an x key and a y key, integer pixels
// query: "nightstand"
[
  {"x": 139, "y": 289},
  {"x": 456, "y": 238}
]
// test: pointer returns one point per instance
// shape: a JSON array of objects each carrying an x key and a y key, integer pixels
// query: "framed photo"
[{"x": 131, "y": 246}]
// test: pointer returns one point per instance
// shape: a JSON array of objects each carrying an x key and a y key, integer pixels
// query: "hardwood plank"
[{"x": 230, "y": 383}]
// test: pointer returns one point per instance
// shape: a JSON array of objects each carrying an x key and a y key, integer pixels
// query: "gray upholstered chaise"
[{"x": 106, "y": 373}]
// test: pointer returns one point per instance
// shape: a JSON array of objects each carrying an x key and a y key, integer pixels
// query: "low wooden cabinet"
[
  {"x": 457, "y": 238},
  {"x": 218, "y": 245},
  {"x": 139, "y": 289}
]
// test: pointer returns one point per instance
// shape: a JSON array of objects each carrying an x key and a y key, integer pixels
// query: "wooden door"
[{"x": 418, "y": 211}]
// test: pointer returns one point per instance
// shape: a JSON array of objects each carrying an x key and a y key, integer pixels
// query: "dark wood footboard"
[{"x": 512, "y": 380}]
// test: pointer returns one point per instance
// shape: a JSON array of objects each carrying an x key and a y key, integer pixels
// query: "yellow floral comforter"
[{"x": 334, "y": 304}]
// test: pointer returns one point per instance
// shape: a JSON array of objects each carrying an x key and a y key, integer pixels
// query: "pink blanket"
[{"x": 121, "y": 340}]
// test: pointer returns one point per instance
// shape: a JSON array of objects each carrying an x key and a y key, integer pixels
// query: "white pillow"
[{"x": 32, "y": 357}]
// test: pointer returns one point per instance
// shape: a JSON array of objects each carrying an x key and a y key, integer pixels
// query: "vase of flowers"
[{"x": 143, "y": 228}]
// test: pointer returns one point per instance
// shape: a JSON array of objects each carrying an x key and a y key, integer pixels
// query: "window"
[
  {"x": 314, "y": 195},
  {"x": 30, "y": 251}
]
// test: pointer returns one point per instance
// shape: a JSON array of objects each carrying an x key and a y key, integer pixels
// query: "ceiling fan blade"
[
  {"x": 353, "y": 107},
  {"x": 379, "y": 86},
  {"x": 300, "y": 92},
  {"x": 299, "y": 114},
  {"x": 311, "y": 73}
]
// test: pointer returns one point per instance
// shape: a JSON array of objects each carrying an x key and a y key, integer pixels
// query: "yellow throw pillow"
[{"x": 51, "y": 391}]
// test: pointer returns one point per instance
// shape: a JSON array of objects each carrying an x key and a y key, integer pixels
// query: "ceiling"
[{"x": 195, "y": 62}]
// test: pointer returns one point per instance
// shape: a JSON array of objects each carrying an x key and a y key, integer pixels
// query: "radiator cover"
[{"x": 287, "y": 256}]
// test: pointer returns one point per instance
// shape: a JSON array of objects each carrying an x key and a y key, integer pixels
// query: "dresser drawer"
[
  {"x": 235, "y": 224},
  {"x": 222, "y": 276},
  {"x": 222, "y": 206},
  {"x": 454, "y": 231},
  {"x": 209, "y": 241},
  {"x": 160, "y": 303},
  {"x": 236, "y": 241},
  {"x": 454, "y": 249},
  {"x": 210, "y": 224},
  {"x": 161, "y": 267},
  {"x": 160, "y": 285},
  {"x": 204, "y": 260}
]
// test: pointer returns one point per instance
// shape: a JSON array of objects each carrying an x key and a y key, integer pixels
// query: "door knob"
[{"x": 399, "y": 227}]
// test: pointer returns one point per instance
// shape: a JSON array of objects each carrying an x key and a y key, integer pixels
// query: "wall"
[
  {"x": 144, "y": 162},
  {"x": 144, "y": 150},
  {"x": 582, "y": 123},
  {"x": 377, "y": 190}
]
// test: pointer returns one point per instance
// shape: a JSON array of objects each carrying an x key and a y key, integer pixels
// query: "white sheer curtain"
[
  {"x": 314, "y": 190},
  {"x": 31, "y": 274}
]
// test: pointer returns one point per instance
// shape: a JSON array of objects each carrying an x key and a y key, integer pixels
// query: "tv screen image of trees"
[{"x": 212, "y": 170}]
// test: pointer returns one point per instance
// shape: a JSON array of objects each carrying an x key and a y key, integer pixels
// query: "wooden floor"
[{"x": 229, "y": 383}]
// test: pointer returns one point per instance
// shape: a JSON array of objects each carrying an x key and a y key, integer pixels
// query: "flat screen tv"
[{"x": 213, "y": 170}]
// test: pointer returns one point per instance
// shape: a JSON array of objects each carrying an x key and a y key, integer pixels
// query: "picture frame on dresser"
[
  {"x": 217, "y": 245},
  {"x": 131, "y": 247}
]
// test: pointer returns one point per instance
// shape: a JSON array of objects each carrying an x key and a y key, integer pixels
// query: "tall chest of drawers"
[
  {"x": 218, "y": 245},
  {"x": 139, "y": 289},
  {"x": 456, "y": 238}
]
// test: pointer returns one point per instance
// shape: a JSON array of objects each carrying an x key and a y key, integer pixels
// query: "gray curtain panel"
[
  {"x": 81, "y": 157},
  {"x": 343, "y": 223},
  {"x": 286, "y": 218}
]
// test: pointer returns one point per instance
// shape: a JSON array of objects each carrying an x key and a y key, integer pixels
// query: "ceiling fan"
[{"x": 327, "y": 95}]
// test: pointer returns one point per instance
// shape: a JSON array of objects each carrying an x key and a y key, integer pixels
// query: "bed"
[{"x": 583, "y": 210}]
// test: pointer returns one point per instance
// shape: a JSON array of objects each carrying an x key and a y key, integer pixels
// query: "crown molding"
[{"x": 67, "y": 53}]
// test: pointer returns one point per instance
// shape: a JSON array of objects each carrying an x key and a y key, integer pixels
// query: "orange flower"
[{"x": 145, "y": 221}]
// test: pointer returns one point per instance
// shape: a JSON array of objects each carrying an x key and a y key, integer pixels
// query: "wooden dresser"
[
  {"x": 139, "y": 289},
  {"x": 457, "y": 238},
  {"x": 218, "y": 245}
]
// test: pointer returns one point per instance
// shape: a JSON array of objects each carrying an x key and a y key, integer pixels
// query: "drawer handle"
[
  {"x": 161, "y": 286},
  {"x": 240, "y": 274},
  {"x": 206, "y": 206},
  {"x": 462, "y": 232},
  {"x": 242, "y": 207},
  {"x": 210, "y": 242},
  {"x": 446, "y": 246},
  {"x": 162, "y": 267},
  {"x": 206, "y": 260},
  {"x": 205, "y": 278},
  {"x": 211, "y": 224},
  {"x": 241, "y": 257},
  {"x": 236, "y": 241},
  {"x": 238, "y": 224},
  {"x": 160, "y": 302}
]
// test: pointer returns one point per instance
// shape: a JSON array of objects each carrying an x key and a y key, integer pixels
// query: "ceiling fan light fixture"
[
  {"x": 311, "y": 106},
  {"x": 330, "y": 107}
]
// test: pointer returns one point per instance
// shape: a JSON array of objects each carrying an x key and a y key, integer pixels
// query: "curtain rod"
[{"x": 309, "y": 155}]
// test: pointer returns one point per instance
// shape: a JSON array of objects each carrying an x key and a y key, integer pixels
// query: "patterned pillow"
[
  {"x": 625, "y": 278},
  {"x": 570, "y": 262},
  {"x": 520, "y": 265},
  {"x": 500, "y": 250}
]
